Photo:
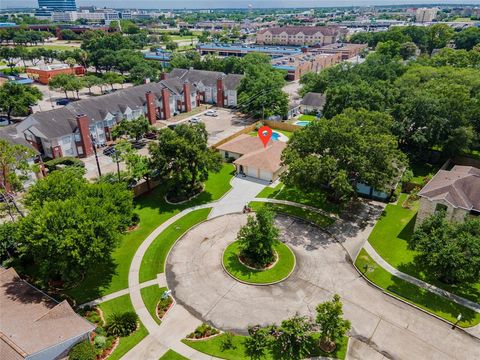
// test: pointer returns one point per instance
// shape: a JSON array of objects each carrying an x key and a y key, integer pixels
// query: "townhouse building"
[
  {"x": 300, "y": 35},
  {"x": 74, "y": 129}
]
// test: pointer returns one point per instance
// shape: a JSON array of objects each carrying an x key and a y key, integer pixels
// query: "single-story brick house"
[
  {"x": 456, "y": 191},
  {"x": 33, "y": 326},
  {"x": 252, "y": 158}
]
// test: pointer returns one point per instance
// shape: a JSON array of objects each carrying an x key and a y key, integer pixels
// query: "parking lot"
[{"x": 226, "y": 123}]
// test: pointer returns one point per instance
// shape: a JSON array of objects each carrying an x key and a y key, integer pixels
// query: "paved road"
[{"x": 388, "y": 326}]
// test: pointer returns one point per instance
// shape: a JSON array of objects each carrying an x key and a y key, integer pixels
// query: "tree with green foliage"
[
  {"x": 182, "y": 157},
  {"x": 142, "y": 71},
  {"x": 134, "y": 129},
  {"x": 331, "y": 323},
  {"x": 449, "y": 251},
  {"x": 171, "y": 45},
  {"x": 138, "y": 166},
  {"x": 351, "y": 148},
  {"x": 408, "y": 50},
  {"x": 63, "y": 82},
  {"x": 14, "y": 165},
  {"x": 258, "y": 343},
  {"x": 258, "y": 237},
  {"x": 91, "y": 80},
  {"x": 72, "y": 225},
  {"x": 112, "y": 78},
  {"x": 260, "y": 92},
  {"x": 16, "y": 99},
  {"x": 67, "y": 34},
  {"x": 468, "y": 38},
  {"x": 292, "y": 338}
]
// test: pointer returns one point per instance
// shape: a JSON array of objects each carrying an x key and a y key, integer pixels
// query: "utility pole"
[{"x": 94, "y": 145}]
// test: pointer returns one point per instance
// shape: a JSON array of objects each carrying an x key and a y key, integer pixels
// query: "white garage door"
[
  {"x": 265, "y": 175},
  {"x": 252, "y": 172}
]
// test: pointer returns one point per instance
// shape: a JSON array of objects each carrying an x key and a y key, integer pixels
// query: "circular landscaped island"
[{"x": 279, "y": 270}]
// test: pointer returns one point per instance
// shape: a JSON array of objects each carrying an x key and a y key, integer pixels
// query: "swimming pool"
[
  {"x": 302, "y": 123},
  {"x": 275, "y": 135}
]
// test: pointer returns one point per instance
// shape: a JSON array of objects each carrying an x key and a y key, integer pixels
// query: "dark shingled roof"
[
  {"x": 307, "y": 30},
  {"x": 314, "y": 99},
  {"x": 11, "y": 134},
  {"x": 208, "y": 78},
  {"x": 460, "y": 187}
]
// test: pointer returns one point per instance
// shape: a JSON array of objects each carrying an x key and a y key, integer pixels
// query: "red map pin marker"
[{"x": 265, "y": 133}]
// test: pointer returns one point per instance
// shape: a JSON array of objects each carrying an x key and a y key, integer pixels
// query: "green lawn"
[
  {"x": 153, "y": 211},
  {"x": 422, "y": 298},
  {"x": 120, "y": 305},
  {"x": 153, "y": 262},
  {"x": 307, "y": 118},
  {"x": 214, "y": 347},
  {"x": 316, "y": 199},
  {"x": 421, "y": 171},
  {"x": 151, "y": 296},
  {"x": 283, "y": 267},
  {"x": 309, "y": 215},
  {"x": 172, "y": 355},
  {"x": 391, "y": 237},
  {"x": 52, "y": 47}
]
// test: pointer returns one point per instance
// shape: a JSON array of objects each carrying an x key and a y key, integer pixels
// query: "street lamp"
[{"x": 94, "y": 145}]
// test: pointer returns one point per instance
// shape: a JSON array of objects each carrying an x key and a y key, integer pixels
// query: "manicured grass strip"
[
  {"x": 172, "y": 355},
  {"x": 153, "y": 211},
  {"x": 309, "y": 215},
  {"x": 435, "y": 304},
  {"x": 391, "y": 237},
  {"x": 270, "y": 192},
  {"x": 121, "y": 305},
  {"x": 214, "y": 347},
  {"x": 153, "y": 262},
  {"x": 151, "y": 296},
  {"x": 307, "y": 117},
  {"x": 316, "y": 199},
  {"x": 283, "y": 267}
]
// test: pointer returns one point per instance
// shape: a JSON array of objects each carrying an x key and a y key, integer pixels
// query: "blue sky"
[{"x": 233, "y": 3}]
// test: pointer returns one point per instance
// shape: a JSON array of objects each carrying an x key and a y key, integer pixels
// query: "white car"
[
  {"x": 195, "y": 120},
  {"x": 211, "y": 113}
]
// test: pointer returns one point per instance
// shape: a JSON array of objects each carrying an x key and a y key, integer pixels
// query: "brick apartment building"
[
  {"x": 69, "y": 131},
  {"x": 43, "y": 74},
  {"x": 298, "y": 65},
  {"x": 300, "y": 35}
]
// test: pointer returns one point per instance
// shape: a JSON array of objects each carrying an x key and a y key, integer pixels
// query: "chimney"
[
  {"x": 151, "y": 113},
  {"x": 220, "y": 93},
  {"x": 187, "y": 96},
  {"x": 86, "y": 142},
  {"x": 166, "y": 103},
  {"x": 163, "y": 76}
]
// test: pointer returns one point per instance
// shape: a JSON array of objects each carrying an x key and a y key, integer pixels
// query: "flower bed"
[
  {"x": 204, "y": 331},
  {"x": 163, "y": 306}
]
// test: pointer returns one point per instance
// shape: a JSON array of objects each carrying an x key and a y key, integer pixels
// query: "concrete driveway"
[{"x": 387, "y": 326}]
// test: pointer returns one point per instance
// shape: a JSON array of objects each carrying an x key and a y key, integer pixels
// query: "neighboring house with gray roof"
[
  {"x": 214, "y": 87},
  {"x": 457, "y": 192},
  {"x": 34, "y": 326},
  {"x": 312, "y": 103}
]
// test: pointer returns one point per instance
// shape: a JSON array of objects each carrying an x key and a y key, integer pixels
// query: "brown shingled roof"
[
  {"x": 460, "y": 187},
  {"x": 254, "y": 153},
  {"x": 31, "y": 321}
]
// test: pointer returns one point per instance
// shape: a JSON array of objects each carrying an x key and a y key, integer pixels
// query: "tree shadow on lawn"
[
  {"x": 407, "y": 231},
  {"x": 434, "y": 303}
]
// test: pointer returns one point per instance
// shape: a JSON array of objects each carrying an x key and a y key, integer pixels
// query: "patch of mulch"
[
  {"x": 254, "y": 266},
  {"x": 163, "y": 306}
]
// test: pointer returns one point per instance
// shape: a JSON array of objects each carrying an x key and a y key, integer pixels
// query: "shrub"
[
  {"x": 227, "y": 342},
  {"x": 122, "y": 324},
  {"x": 203, "y": 331},
  {"x": 52, "y": 165},
  {"x": 82, "y": 351},
  {"x": 135, "y": 219},
  {"x": 100, "y": 341},
  {"x": 163, "y": 306}
]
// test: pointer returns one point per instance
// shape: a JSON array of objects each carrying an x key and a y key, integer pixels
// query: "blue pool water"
[
  {"x": 302, "y": 123},
  {"x": 275, "y": 136}
]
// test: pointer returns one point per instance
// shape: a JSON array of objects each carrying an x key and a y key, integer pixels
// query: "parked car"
[
  {"x": 63, "y": 101},
  {"x": 109, "y": 150},
  {"x": 195, "y": 120},
  {"x": 150, "y": 136},
  {"x": 211, "y": 113}
]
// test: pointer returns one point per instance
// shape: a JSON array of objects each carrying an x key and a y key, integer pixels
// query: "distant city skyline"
[{"x": 206, "y": 4}]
